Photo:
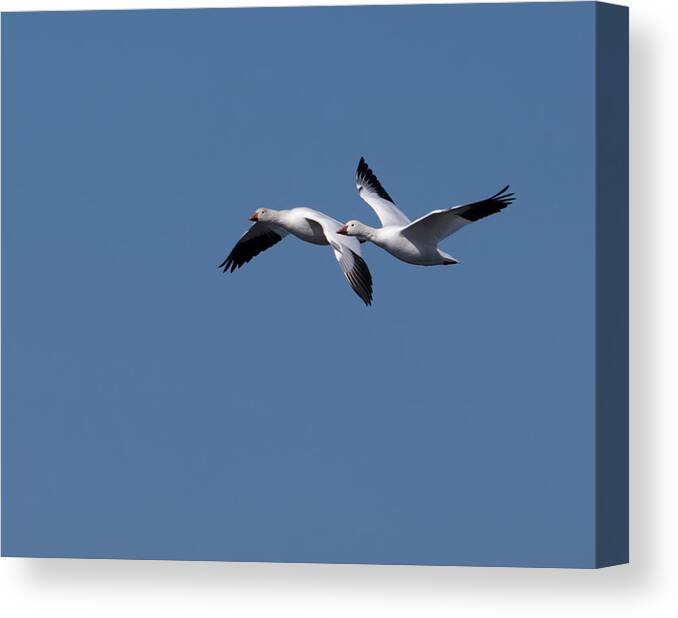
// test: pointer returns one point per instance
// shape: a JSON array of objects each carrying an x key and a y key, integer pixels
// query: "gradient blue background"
[{"x": 154, "y": 407}]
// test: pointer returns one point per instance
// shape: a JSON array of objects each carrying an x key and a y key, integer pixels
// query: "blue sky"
[{"x": 154, "y": 407}]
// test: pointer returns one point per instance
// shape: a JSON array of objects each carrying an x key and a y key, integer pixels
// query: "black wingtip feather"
[
  {"x": 503, "y": 196},
  {"x": 493, "y": 205},
  {"x": 227, "y": 263},
  {"x": 498, "y": 193},
  {"x": 365, "y": 176},
  {"x": 360, "y": 279}
]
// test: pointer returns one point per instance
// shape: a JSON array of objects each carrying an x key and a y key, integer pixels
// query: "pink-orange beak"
[
  {"x": 254, "y": 217},
  {"x": 343, "y": 230}
]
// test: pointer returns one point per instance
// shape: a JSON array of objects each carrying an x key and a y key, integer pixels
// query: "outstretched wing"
[
  {"x": 258, "y": 238},
  {"x": 440, "y": 224},
  {"x": 347, "y": 251},
  {"x": 370, "y": 189}
]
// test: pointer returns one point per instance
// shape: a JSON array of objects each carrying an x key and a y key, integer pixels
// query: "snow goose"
[
  {"x": 271, "y": 226},
  {"x": 415, "y": 242}
]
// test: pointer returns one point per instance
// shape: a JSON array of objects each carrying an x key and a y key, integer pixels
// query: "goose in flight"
[
  {"x": 271, "y": 226},
  {"x": 415, "y": 242}
]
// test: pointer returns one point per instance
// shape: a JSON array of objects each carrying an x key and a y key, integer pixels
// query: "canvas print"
[{"x": 272, "y": 295}]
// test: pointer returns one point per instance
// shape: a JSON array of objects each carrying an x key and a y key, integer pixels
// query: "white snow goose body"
[
  {"x": 415, "y": 242},
  {"x": 271, "y": 226}
]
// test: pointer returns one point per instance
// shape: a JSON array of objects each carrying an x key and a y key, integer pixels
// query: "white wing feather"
[{"x": 440, "y": 224}]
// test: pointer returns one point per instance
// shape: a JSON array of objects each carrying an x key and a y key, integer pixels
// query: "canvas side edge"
[{"x": 612, "y": 285}]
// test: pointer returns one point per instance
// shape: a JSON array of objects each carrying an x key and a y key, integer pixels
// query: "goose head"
[
  {"x": 355, "y": 228},
  {"x": 262, "y": 214}
]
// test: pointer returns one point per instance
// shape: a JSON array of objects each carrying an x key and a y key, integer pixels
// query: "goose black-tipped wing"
[
  {"x": 366, "y": 179},
  {"x": 485, "y": 208},
  {"x": 258, "y": 238},
  {"x": 439, "y": 224},
  {"x": 356, "y": 272},
  {"x": 360, "y": 279},
  {"x": 372, "y": 191},
  {"x": 347, "y": 253}
]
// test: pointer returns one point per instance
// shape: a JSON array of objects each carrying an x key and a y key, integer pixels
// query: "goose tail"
[{"x": 447, "y": 258}]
